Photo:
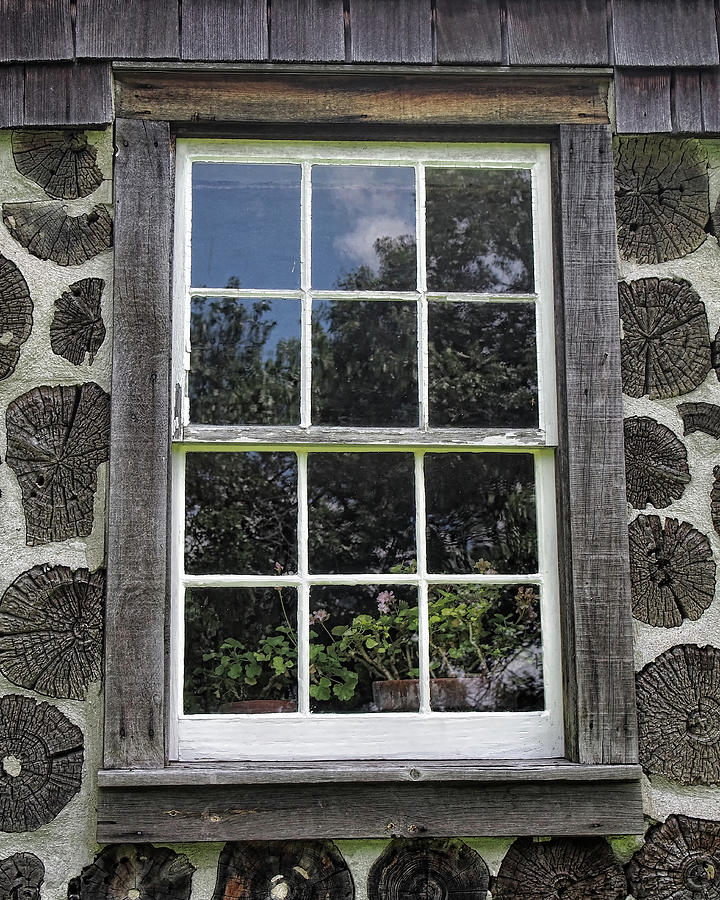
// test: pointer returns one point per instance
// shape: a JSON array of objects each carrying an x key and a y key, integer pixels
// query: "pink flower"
[
  {"x": 318, "y": 616},
  {"x": 385, "y": 599},
  {"x": 278, "y": 568}
]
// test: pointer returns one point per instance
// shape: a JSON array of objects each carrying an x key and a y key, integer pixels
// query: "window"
[
  {"x": 146, "y": 792},
  {"x": 364, "y": 514}
]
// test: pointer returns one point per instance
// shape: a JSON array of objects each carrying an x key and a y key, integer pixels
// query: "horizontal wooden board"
[
  {"x": 642, "y": 101},
  {"x": 555, "y": 32},
  {"x": 224, "y": 29},
  {"x": 399, "y": 31},
  {"x": 128, "y": 29},
  {"x": 439, "y": 99},
  {"x": 468, "y": 31},
  {"x": 369, "y": 810},
  {"x": 11, "y": 96},
  {"x": 35, "y": 31},
  {"x": 665, "y": 33},
  {"x": 68, "y": 94},
  {"x": 365, "y": 771},
  {"x": 307, "y": 30}
]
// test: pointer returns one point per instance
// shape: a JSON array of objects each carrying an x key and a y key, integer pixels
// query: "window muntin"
[{"x": 444, "y": 429}]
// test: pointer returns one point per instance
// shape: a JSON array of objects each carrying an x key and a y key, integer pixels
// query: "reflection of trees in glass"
[
  {"x": 479, "y": 230},
  {"x": 482, "y": 365},
  {"x": 365, "y": 363},
  {"x": 234, "y": 379},
  {"x": 240, "y": 512},
  {"x": 480, "y": 506}
]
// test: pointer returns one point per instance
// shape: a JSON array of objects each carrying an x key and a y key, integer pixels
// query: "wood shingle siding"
[
  {"x": 224, "y": 30},
  {"x": 35, "y": 30},
  {"x": 307, "y": 31},
  {"x": 397, "y": 32},
  {"x": 534, "y": 27},
  {"x": 468, "y": 31},
  {"x": 665, "y": 33},
  {"x": 128, "y": 29}
]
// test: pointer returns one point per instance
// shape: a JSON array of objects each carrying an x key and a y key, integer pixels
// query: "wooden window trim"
[{"x": 594, "y": 790}]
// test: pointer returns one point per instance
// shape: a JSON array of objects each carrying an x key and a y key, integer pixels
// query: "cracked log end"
[
  {"x": 662, "y": 200},
  {"x": 44, "y": 229},
  {"x": 61, "y": 162},
  {"x": 678, "y": 702},
  {"x": 656, "y": 464},
  {"x": 428, "y": 868},
  {"x": 77, "y": 327}
]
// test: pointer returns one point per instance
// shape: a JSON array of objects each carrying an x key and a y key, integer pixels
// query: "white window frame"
[{"x": 426, "y": 734}]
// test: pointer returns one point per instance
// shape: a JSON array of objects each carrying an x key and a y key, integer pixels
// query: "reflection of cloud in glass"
[{"x": 354, "y": 206}]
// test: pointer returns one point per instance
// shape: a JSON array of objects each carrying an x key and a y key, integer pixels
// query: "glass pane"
[
  {"x": 240, "y": 650},
  {"x": 240, "y": 513},
  {"x": 361, "y": 511},
  {"x": 481, "y": 512},
  {"x": 485, "y": 648},
  {"x": 482, "y": 365},
  {"x": 363, "y": 649},
  {"x": 246, "y": 226},
  {"x": 363, "y": 231},
  {"x": 364, "y": 363},
  {"x": 244, "y": 361},
  {"x": 479, "y": 230}
]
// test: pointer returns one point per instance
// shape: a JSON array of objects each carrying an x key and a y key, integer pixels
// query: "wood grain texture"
[
  {"x": 401, "y": 100},
  {"x": 661, "y": 197},
  {"x": 364, "y": 771},
  {"x": 276, "y": 812},
  {"x": 666, "y": 342},
  {"x": 77, "y": 329},
  {"x": 656, "y": 467},
  {"x": 592, "y": 470},
  {"x": 120, "y": 872},
  {"x": 468, "y": 31},
  {"x": 127, "y": 29},
  {"x": 686, "y": 101},
  {"x": 665, "y": 33},
  {"x": 12, "y": 93},
  {"x": 307, "y": 30},
  {"x": 680, "y": 859},
  {"x": 715, "y": 499},
  {"x": 42, "y": 758},
  {"x": 292, "y": 870},
  {"x": 51, "y": 626},
  {"x": 642, "y": 101},
  {"x": 44, "y": 229},
  {"x": 57, "y": 438},
  {"x": 16, "y": 315},
  {"x": 561, "y": 869},
  {"x": 428, "y": 868},
  {"x": 678, "y": 697},
  {"x": 393, "y": 31},
  {"x": 21, "y": 877},
  {"x": 137, "y": 529},
  {"x": 67, "y": 94},
  {"x": 710, "y": 99},
  {"x": 35, "y": 29},
  {"x": 61, "y": 162},
  {"x": 701, "y": 416},
  {"x": 672, "y": 571},
  {"x": 224, "y": 29},
  {"x": 554, "y": 32}
]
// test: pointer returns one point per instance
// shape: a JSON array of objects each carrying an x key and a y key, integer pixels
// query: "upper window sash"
[{"x": 533, "y": 157}]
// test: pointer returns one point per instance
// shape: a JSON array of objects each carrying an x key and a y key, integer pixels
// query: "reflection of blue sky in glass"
[
  {"x": 246, "y": 225},
  {"x": 353, "y": 206}
]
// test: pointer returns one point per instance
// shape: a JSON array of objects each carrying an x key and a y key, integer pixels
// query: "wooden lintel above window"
[{"x": 402, "y": 98}]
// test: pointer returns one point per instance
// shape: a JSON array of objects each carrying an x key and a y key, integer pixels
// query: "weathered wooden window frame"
[{"x": 595, "y": 789}]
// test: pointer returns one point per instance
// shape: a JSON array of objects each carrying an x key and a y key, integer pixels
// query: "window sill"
[{"x": 367, "y": 799}]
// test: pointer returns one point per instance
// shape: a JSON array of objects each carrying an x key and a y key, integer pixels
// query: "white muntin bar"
[
  {"x": 377, "y": 578},
  {"x": 421, "y": 253},
  {"x": 421, "y": 546},
  {"x": 303, "y": 632},
  {"x": 306, "y": 283}
]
